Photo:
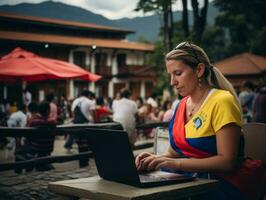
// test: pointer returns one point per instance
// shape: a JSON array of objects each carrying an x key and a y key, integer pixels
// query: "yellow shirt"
[{"x": 219, "y": 109}]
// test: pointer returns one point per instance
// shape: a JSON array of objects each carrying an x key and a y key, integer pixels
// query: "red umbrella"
[{"x": 26, "y": 66}]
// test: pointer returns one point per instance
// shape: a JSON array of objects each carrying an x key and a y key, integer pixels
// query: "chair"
[
  {"x": 254, "y": 134},
  {"x": 161, "y": 140},
  {"x": 255, "y": 141}
]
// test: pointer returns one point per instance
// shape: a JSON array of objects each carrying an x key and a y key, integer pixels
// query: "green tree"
[
  {"x": 214, "y": 43},
  {"x": 245, "y": 23},
  {"x": 173, "y": 32},
  {"x": 199, "y": 20},
  {"x": 164, "y": 8},
  {"x": 258, "y": 45},
  {"x": 157, "y": 58},
  {"x": 185, "y": 18}
]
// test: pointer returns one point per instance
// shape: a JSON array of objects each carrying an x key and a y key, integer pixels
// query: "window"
[
  {"x": 121, "y": 60},
  {"x": 101, "y": 59},
  {"x": 79, "y": 58}
]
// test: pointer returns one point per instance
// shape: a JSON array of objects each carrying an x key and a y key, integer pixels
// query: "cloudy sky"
[{"x": 112, "y": 9}]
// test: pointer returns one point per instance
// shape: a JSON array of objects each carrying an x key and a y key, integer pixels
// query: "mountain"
[
  {"x": 57, "y": 10},
  {"x": 146, "y": 28}
]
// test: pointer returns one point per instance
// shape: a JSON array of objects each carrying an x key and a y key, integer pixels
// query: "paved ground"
[{"x": 34, "y": 185}]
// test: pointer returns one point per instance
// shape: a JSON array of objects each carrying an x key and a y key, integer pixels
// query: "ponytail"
[{"x": 217, "y": 80}]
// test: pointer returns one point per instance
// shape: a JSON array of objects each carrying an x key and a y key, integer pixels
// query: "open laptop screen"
[{"x": 115, "y": 161}]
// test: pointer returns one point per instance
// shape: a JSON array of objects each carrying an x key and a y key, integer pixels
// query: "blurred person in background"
[
  {"x": 26, "y": 97},
  {"x": 43, "y": 145},
  {"x": 152, "y": 100},
  {"x": 124, "y": 112},
  {"x": 168, "y": 114},
  {"x": 62, "y": 109},
  {"x": 102, "y": 114},
  {"x": 16, "y": 119},
  {"x": 83, "y": 109},
  {"x": 246, "y": 97},
  {"x": 259, "y": 105},
  {"x": 53, "y": 107},
  {"x": 32, "y": 110}
]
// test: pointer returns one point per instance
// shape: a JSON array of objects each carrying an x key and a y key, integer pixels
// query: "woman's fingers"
[
  {"x": 139, "y": 159},
  {"x": 146, "y": 164},
  {"x": 147, "y": 161},
  {"x": 151, "y": 162},
  {"x": 153, "y": 165},
  {"x": 161, "y": 162}
]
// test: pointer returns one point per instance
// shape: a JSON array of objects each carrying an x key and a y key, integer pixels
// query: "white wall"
[{"x": 135, "y": 58}]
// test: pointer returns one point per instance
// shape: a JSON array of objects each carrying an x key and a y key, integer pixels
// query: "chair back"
[
  {"x": 161, "y": 140},
  {"x": 255, "y": 140}
]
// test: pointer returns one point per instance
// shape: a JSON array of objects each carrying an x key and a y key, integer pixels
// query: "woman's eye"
[{"x": 177, "y": 73}]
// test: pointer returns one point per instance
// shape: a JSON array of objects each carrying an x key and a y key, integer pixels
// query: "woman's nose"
[{"x": 172, "y": 80}]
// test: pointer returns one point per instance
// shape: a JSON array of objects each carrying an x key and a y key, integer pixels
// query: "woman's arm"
[{"x": 227, "y": 142}]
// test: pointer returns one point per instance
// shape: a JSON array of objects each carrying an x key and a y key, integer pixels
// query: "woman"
[{"x": 205, "y": 131}]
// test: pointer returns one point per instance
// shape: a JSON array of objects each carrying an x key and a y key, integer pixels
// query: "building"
[
  {"x": 99, "y": 49},
  {"x": 243, "y": 67}
]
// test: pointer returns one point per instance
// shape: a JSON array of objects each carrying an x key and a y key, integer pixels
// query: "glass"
[{"x": 187, "y": 45}]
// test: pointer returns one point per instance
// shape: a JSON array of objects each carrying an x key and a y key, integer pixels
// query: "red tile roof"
[
  {"x": 72, "y": 40},
  {"x": 64, "y": 22},
  {"x": 242, "y": 64}
]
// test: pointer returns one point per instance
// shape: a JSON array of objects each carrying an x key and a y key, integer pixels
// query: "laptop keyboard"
[
  {"x": 158, "y": 176},
  {"x": 147, "y": 178}
]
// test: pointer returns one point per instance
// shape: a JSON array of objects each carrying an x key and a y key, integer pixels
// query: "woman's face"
[{"x": 182, "y": 77}]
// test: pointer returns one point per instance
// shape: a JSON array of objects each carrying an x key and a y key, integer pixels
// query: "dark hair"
[
  {"x": 44, "y": 108},
  {"x": 85, "y": 93},
  {"x": 33, "y": 107},
  {"x": 22, "y": 107},
  {"x": 100, "y": 101},
  {"x": 249, "y": 85},
  {"x": 154, "y": 94},
  {"x": 125, "y": 93},
  {"x": 49, "y": 97},
  {"x": 25, "y": 89},
  {"x": 165, "y": 104},
  {"x": 92, "y": 95},
  {"x": 140, "y": 100}
]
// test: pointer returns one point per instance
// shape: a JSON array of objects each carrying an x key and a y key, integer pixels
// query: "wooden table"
[{"x": 99, "y": 189}]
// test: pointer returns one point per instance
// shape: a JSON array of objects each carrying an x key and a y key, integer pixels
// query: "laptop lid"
[
  {"x": 113, "y": 156},
  {"x": 115, "y": 160}
]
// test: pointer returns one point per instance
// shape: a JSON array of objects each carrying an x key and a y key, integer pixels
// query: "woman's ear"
[{"x": 200, "y": 69}]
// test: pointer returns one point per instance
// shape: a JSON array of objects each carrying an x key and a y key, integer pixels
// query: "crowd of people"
[
  {"x": 123, "y": 109},
  {"x": 97, "y": 110},
  {"x": 252, "y": 99},
  {"x": 84, "y": 109}
]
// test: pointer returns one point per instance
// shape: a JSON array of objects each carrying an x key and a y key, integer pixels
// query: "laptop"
[{"x": 115, "y": 161}]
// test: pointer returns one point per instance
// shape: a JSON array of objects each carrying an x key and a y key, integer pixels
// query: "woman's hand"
[
  {"x": 147, "y": 161},
  {"x": 140, "y": 158},
  {"x": 158, "y": 162}
]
